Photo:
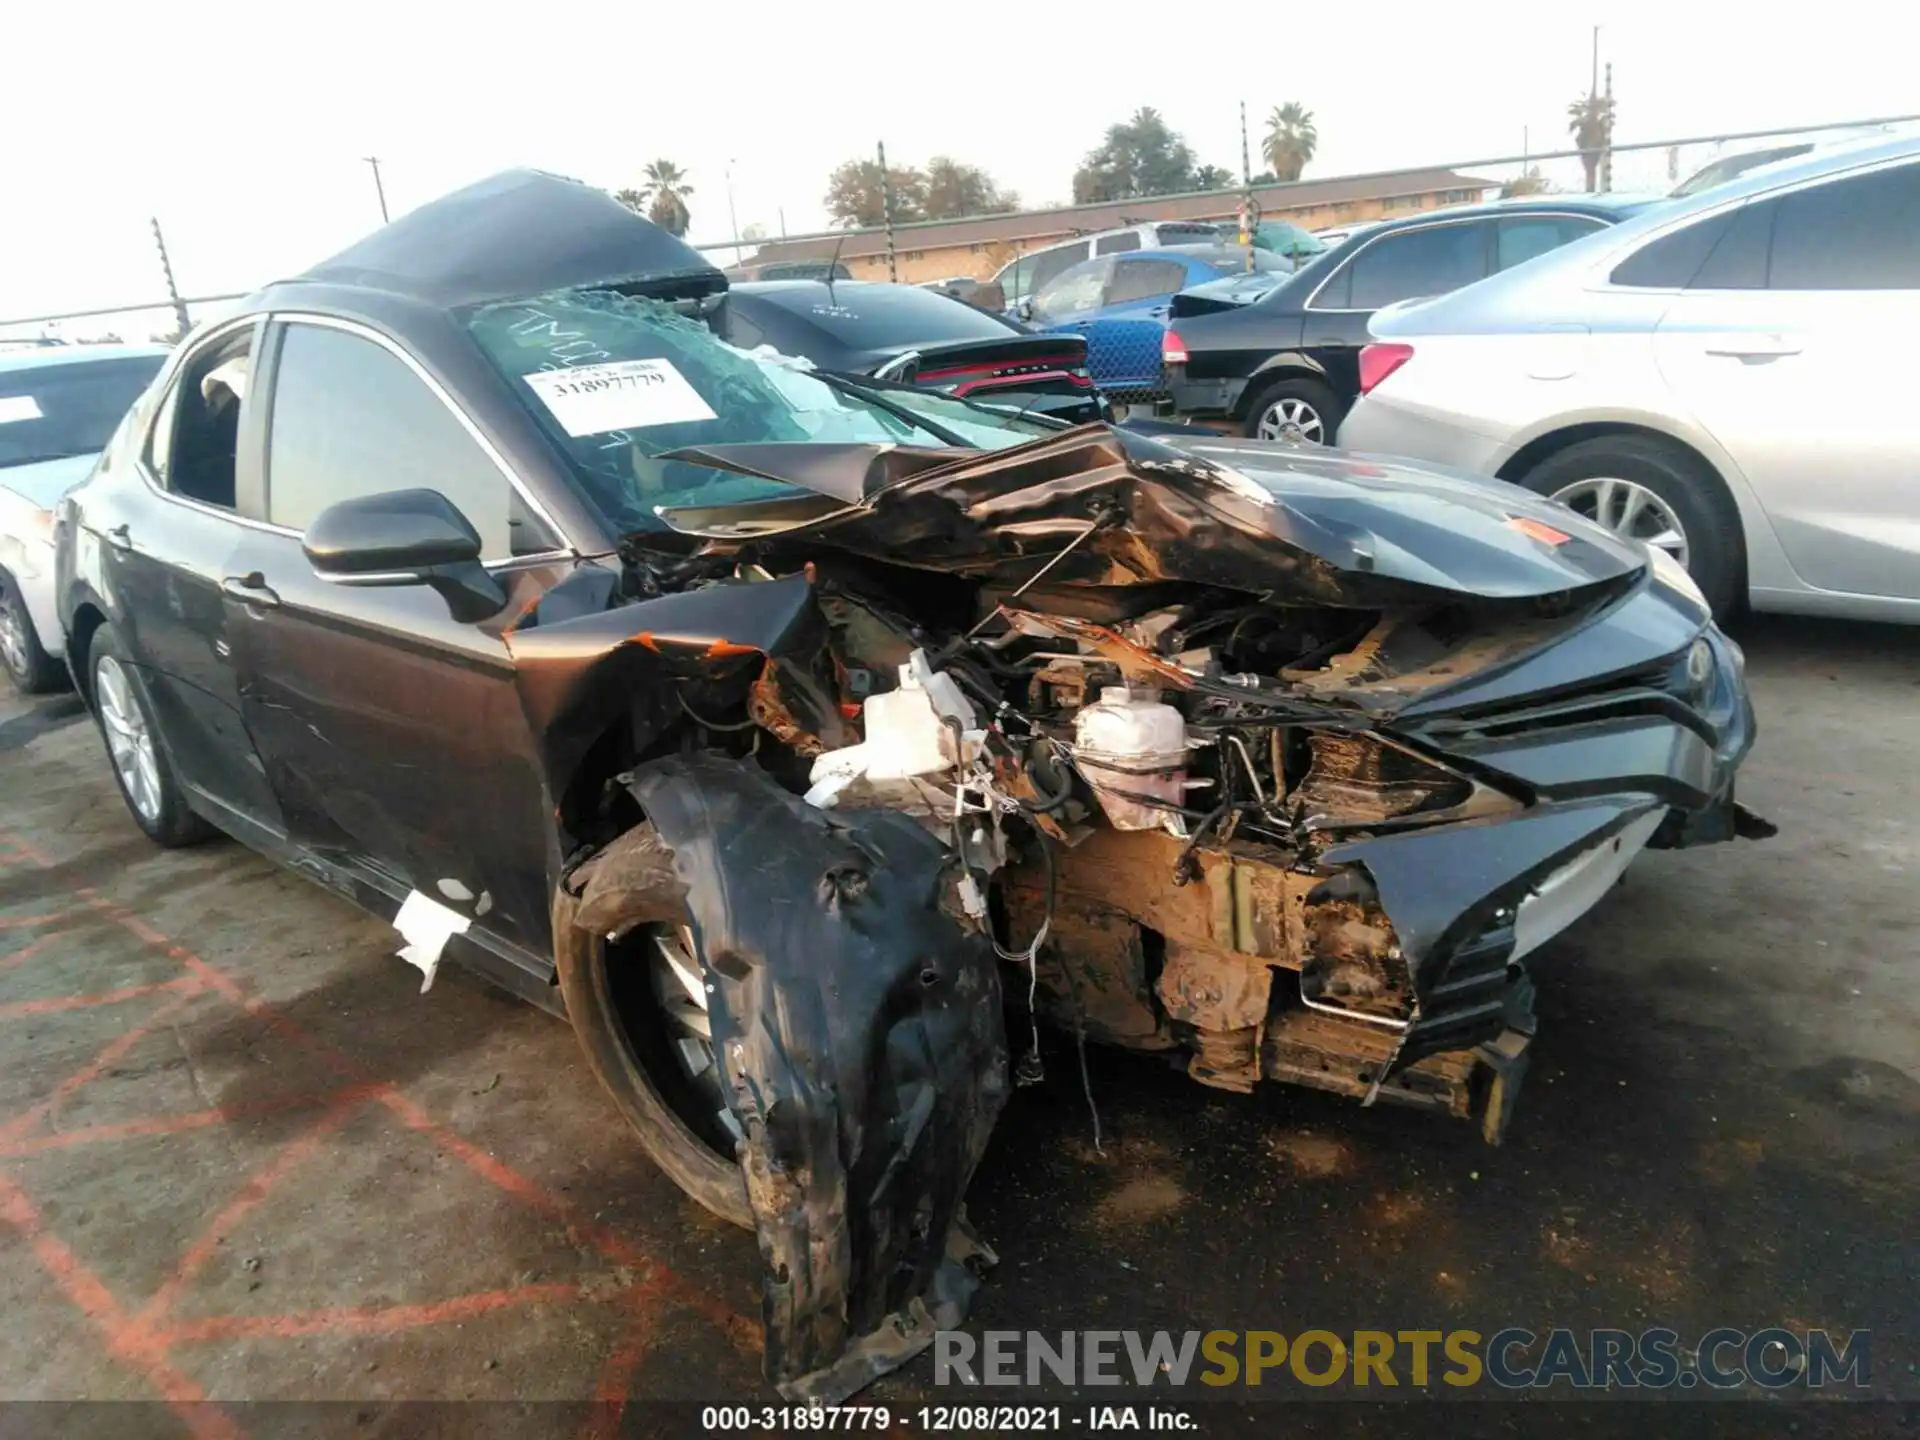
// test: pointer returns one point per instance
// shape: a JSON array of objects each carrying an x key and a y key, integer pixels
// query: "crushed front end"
[{"x": 1279, "y": 764}]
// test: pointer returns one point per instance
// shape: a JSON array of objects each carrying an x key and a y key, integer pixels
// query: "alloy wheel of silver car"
[
  {"x": 1292, "y": 418},
  {"x": 681, "y": 990},
  {"x": 1628, "y": 509},
  {"x": 13, "y": 640},
  {"x": 129, "y": 739}
]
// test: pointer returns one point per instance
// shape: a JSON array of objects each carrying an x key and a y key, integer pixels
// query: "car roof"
[
  {"x": 1822, "y": 160},
  {"x": 14, "y": 361},
  {"x": 518, "y": 233},
  {"x": 1215, "y": 254},
  {"x": 1503, "y": 301},
  {"x": 1605, "y": 207}
]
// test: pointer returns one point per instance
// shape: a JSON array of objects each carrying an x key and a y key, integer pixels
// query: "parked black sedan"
[
  {"x": 911, "y": 335},
  {"x": 742, "y": 713},
  {"x": 1286, "y": 366}
]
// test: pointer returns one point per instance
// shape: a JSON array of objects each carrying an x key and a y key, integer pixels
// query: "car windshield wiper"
[{"x": 899, "y": 412}]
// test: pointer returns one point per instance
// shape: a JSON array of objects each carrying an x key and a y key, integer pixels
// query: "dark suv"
[{"x": 1286, "y": 366}]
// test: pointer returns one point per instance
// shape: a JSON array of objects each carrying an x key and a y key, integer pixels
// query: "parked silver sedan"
[{"x": 1728, "y": 378}]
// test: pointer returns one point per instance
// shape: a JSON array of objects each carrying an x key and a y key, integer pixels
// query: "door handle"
[
  {"x": 119, "y": 538},
  {"x": 1757, "y": 351},
  {"x": 249, "y": 589}
]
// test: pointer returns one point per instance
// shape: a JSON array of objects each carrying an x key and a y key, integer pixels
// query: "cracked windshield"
[{"x": 620, "y": 383}]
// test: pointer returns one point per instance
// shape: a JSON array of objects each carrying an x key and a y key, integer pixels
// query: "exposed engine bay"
[{"x": 1277, "y": 784}]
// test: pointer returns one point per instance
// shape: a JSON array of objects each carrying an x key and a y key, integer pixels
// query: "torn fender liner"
[{"x": 861, "y": 1032}]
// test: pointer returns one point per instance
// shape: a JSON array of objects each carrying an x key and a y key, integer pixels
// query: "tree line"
[{"x": 1139, "y": 156}]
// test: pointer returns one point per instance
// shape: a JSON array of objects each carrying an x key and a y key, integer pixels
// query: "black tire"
[
  {"x": 32, "y": 670},
  {"x": 629, "y": 1059},
  {"x": 1318, "y": 398},
  {"x": 173, "y": 824},
  {"x": 1716, "y": 546}
]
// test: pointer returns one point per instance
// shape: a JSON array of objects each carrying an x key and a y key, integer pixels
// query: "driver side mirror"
[{"x": 405, "y": 537}]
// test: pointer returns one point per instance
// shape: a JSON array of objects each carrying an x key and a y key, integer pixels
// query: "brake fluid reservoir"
[{"x": 1128, "y": 741}]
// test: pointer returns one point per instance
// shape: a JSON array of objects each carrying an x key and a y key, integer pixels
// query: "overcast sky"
[{"x": 242, "y": 126}]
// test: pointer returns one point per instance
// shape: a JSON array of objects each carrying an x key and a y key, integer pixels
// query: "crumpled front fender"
[{"x": 860, "y": 1030}]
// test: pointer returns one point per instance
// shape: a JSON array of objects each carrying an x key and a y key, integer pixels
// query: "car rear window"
[
  {"x": 883, "y": 317},
  {"x": 1671, "y": 261},
  {"x": 48, "y": 412}
]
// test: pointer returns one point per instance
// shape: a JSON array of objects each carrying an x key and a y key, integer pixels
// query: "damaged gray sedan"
[{"x": 768, "y": 724}]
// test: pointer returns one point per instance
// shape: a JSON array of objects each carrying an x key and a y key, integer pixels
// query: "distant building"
[{"x": 944, "y": 249}]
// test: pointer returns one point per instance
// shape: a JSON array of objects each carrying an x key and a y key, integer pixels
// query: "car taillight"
[
  {"x": 1377, "y": 362},
  {"x": 1173, "y": 350}
]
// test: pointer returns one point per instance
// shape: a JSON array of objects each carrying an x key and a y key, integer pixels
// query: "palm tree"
[
  {"x": 1291, "y": 140},
  {"x": 666, "y": 194},
  {"x": 1590, "y": 122}
]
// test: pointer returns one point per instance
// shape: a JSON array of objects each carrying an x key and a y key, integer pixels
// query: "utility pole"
[
  {"x": 378, "y": 188},
  {"x": 1593, "y": 85},
  {"x": 1247, "y": 221},
  {"x": 173, "y": 291},
  {"x": 886, "y": 214},
  {"x": 1606, "y": 152}
]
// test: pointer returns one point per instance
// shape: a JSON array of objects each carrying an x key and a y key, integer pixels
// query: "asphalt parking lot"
[{"x": 242, "y": 1160}]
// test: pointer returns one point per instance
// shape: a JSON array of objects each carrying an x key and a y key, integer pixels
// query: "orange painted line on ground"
[
  {"x": 108, "y": 1057},
  {"x": 159, "y": 1125},
  {"x": 27, "y": 952},
  {"x": 364, "y": 1319},
  {"x": 21, "y": 922},
  {"x": 656, "y": 1279},
  {"x": 39, "y": 858},
  {"x": 615, "y": 1382},
  {"x": 58, "y": 1004},
  {"x": 92, "y": 1298},
  {"x": 257, "y": 1188}
]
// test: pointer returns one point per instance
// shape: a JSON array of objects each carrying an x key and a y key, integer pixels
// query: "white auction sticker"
[
  {"x": 18, "y": 407},
  {"x": 620, "y": 395}
]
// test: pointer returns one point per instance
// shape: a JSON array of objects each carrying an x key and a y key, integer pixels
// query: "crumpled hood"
[
  {"x": 1431, "y": 526},
  {"x": 1259, "y": 517}
]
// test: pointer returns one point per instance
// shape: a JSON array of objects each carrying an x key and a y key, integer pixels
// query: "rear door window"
[
  {"x": 1861, "y": 233},
  {"x": 1074, "y": 293},
  {"x": 1143, "y": 279},
  {"x": 1049, "y": 263},
  {"x": 1520, "y": 238}
]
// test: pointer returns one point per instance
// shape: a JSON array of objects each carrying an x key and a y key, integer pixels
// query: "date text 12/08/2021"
[{"x": 938, "y": 1419}]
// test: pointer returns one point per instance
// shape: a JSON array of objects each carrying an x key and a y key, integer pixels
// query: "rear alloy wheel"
[
  {"x": 1300, "y": 412},
  {"x": 1644, "y": 488},
  {"x": 140, "y": 766},
  {"x": 28, "y": 665},
  {"x": 1630, "y": 510}
]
